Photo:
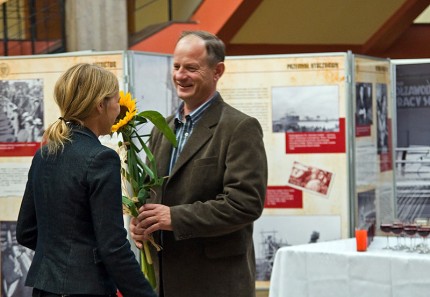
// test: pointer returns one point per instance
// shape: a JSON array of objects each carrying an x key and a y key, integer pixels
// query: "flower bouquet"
[{"x": 138, "y": 177}]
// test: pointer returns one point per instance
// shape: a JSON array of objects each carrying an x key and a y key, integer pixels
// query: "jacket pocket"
[
  {"x": 205, "y": 178},
  {"x": 211, "y": 161},
  {"x": 225, "y": 246}
]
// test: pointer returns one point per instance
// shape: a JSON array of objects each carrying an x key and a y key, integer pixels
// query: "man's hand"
[
  {"x": 153, "y": 217},
  {"x": 136, "y": 233}
]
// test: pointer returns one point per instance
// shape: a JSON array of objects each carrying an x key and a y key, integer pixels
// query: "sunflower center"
[{"x": 122, "y": 113}]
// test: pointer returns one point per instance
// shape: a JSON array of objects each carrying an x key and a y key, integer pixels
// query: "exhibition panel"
[
  {"x": 328, "y": 136},
  {"x": 326, "y": 117},
  {"x": 412, "y": 94},
  {"x": 27, "y": 107}
]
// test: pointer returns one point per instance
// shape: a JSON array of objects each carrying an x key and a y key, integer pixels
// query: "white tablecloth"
[{"x": 336, "y": 269}]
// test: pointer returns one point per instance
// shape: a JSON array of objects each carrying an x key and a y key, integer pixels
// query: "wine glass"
[
  {"x": 386, "y": 228},
  {"x": 424, "y": 232},
  {"x": 420, "y": 221},
  {"x": 411, "y": 231},
  {"x": 397, "y": 229}
]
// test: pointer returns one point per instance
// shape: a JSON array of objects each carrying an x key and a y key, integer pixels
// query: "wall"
[{"x": 99, "y": 25}]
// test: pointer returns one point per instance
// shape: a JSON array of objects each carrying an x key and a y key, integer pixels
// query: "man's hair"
[{"x": 214, "y": 46}]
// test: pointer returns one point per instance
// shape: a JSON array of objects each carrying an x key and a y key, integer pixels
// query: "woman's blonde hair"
[{"x": 77, "y": 92}]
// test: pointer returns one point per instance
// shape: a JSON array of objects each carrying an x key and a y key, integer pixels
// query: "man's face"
[{"x": 194, "y": 79}]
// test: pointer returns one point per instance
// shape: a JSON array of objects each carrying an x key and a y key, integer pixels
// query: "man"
[{"x": 217, "y": 176}]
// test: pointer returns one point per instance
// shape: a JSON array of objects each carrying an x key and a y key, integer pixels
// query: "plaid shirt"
[{"x": 183, "y": 130}]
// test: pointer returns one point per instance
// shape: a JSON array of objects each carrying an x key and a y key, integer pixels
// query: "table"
[{"x": 336, "y": 269}]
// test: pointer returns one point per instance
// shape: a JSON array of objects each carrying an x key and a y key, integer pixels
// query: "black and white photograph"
[
  {"x": 412, "y": 183},
  {"x": 382, "y": 118},
  {"x": 15, "y": 262},
  {"x": 21, "y": 110},
  {"x": 364, "y": 112},
  {"x": 366, "y": 208},
  {"x": 272, "y": 232},
  {"x": 305, "y": 109},
  {"x": 412, "y": 105}
]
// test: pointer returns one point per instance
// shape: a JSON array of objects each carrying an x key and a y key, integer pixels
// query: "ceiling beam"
[
  {"x": 237, "y": 19},
  {"x": 413, "y": 44},
  {"x": 394, "y": 27}
]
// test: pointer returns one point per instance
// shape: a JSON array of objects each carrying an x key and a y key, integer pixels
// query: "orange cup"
[{"x": 361, "y": 239}]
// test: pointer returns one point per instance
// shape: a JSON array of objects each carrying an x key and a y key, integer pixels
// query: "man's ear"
[{"x": 219, "y": 70}]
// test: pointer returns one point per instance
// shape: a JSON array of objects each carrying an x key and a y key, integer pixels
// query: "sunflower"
[
  {"x": 138, "y": 177},
  {"x": 127, "y": 112}
]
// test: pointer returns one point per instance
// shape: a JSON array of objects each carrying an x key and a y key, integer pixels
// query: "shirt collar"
[{"x": 196, "y": 114}]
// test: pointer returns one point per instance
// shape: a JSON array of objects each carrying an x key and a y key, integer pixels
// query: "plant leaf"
[
  {"x": 160, "y": 122},
  {"x": 130, "y": 206}
]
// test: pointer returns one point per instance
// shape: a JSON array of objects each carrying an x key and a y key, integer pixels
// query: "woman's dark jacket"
[{"x": 71, "y": 216}]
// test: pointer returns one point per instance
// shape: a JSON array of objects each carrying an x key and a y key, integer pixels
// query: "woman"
[{"x": 71, "y": 212}]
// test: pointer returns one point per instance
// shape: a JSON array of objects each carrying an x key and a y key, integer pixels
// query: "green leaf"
[
  {"x": 149, "y": 172},
  {"x": 160, "y": 122},
  {"x": 132, "y": 162},
  {"x": 143, "y": 195},
  {"x": 140, "y": 119},
  {"x": 152, "y": 162},
  {"x": 152, "y": 169},
  {"x": 129, "y": 204},
  {"x": 134, "y": 147}
]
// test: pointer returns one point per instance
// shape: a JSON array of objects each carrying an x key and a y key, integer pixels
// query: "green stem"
[{"x": 147, "y": 267}]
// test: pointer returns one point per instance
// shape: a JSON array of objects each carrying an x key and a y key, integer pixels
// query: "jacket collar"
[{"x": 83, "y": 130}]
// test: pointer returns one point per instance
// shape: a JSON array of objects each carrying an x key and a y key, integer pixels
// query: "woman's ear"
[{"x": 100, "y": 107}]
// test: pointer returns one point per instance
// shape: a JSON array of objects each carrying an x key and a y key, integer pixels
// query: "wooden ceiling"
[
  {"x": 372, "y": 27},
  {"x": 380, "y": 28}
]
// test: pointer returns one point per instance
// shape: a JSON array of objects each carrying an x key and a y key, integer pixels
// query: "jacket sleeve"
[{"x": 112, "y": 244}]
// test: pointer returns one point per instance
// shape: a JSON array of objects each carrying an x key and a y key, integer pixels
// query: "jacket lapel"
[{"x": 202, "y": 132}]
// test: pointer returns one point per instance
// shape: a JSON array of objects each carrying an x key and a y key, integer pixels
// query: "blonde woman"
[{"x": 71, "y": 212}]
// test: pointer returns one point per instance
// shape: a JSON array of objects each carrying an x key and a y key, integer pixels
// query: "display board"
[
  {"x": 300, "y": 102},
  {"x": 320, "y": 142},
  {"x": 26, "y": 108},
  {"x": 151, "y": 83},
  {"x": 326, "y": 120},
  {"x": 412, "y": 110},
  {"x": 373, "y": 148}
]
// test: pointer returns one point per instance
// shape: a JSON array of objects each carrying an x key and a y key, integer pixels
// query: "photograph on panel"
[
  {"x": 272, "y": 232},
  {"x": 21, "y": 110},
  {"x": 364, "y": 112},
  {"x": 15, "y": 262},
  {"x": 305, "y": 109},
  {"x": 382, "y": 118},
  {"x": 310, "y": 178},
  {"x": 366, "y": 208}
]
